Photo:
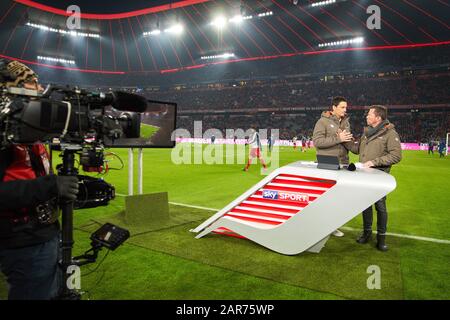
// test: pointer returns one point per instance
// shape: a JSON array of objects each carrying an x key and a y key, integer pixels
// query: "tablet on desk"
[{"x": 327, "y": 162}]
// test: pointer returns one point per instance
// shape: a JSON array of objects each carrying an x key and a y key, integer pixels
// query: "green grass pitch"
[
  {"x": 171, "y": 264},
  {"x": 148, "y": 130}
]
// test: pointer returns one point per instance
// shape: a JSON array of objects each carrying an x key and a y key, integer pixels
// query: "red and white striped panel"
[{"x": 294, "y": 194}]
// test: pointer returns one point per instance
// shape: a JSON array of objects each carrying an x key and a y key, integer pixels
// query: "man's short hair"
[
  {"x": 337, "y": 100},
  {"x": 380, "y": 111}
]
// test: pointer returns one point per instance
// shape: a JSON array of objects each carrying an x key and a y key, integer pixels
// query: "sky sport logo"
[{"x": 287, "y": 196}]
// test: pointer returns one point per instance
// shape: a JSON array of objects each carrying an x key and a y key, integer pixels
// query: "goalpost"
[{"x": 446, "y": 143}]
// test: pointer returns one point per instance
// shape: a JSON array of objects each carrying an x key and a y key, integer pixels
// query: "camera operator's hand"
[{"x": 67, "y": 187}]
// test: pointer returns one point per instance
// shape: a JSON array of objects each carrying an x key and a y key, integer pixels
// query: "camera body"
[
  {"x": 72, "y": 119},
  {"x": 72, "y": 115}
]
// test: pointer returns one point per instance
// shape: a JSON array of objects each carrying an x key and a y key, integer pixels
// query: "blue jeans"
[{"x": 32, "y": 272}]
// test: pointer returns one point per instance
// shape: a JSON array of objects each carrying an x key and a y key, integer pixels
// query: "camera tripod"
[
  {"x": 68, "y": 169},
  {"x": 108, "y": 236}
]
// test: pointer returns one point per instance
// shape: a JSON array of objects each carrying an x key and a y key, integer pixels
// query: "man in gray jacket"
[
  {"x": 332, "y": 134},
  {"x": 379, "y": 148}
]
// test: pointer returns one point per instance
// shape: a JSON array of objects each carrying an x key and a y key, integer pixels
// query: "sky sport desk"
[{"x": 298, "y": 206}]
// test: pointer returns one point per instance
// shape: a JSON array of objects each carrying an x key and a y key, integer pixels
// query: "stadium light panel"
[
  {"x": 265, "y": 14},
  {"x": 219, "y": 22},
  {"x": 357, "y": 40},
  {"x": 176, "y": 29},
  {"x": 323, "y": 3},
  {"x": 68, "y": 32},
  {"x": 54, "y": 59},
  {"x": 152, "y": 33},
  {"x": 225, "y": 55},
  {"x": 236, "y": 19}
]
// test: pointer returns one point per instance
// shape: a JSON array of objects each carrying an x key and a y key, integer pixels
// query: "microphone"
[
  {"x": 124, "y": 101},
  {"x": 120, "y": 100},
  {"x": 351, "y": 167}
]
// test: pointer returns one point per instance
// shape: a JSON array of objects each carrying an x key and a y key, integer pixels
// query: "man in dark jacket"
[
  {"x": 29, "y": 230},
  {"x": 379, "y": 148},
  {"x": 332, "y": 133}
]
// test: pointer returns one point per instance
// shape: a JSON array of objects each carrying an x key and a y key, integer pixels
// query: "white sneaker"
[{"x": 337, "y": 233}]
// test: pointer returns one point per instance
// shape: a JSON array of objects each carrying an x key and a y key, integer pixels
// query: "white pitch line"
[
  {"x": 399, "y": 235},
  {"x": 191, "y": 206},
  {"x": 178, "y": 204}
]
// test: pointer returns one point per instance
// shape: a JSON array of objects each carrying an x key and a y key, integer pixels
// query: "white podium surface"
[{"x": 296, "y": 207}]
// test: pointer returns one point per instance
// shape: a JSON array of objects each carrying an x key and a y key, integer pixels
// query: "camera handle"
[{"x": 67, "y": 169}]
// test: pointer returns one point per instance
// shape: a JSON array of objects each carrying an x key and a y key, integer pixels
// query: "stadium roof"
[
  {"x": 115, "y": 9},
  {"x": 111, "y": 37}
]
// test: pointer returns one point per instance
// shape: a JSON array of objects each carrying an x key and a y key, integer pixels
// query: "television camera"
[{"x": 76, "y": 122}]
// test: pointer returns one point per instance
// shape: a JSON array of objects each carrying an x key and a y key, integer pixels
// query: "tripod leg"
[{"x": 68, "y": 168}]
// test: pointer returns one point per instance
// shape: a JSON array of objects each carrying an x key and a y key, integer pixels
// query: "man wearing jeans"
[
  {"x": 379, "y": 148},
  {"x": 332, "y": 135},
  {"x": 29, "y": 193}
]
